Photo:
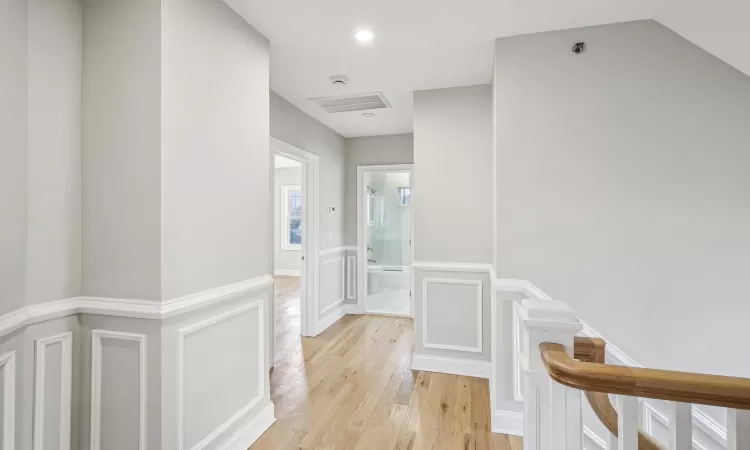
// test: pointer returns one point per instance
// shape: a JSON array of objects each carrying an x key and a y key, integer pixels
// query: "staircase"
[{"x": 562, "y": 370}]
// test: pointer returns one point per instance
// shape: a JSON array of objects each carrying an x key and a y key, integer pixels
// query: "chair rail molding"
[
  {"x": 66, "y": 387},
  {"x": 132, "y": 308},
  {"x": 242, "y": 412},
  {"x": 8, "y": 366},
  {"x": 97, "y": 336}
]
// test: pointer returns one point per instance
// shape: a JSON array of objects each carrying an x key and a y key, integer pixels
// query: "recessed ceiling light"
[
  {"x": 364, "y": 35},
  {"x": 368, "y": 114}
]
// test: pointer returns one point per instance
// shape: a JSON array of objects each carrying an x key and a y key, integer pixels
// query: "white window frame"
[{"x": 285, "y": 190}]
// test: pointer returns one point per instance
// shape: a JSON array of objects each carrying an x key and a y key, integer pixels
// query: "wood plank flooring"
[{"x": 352, "y": 388}]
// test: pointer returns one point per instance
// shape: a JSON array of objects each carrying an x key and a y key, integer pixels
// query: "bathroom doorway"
[{"x": 384, "y": 231}]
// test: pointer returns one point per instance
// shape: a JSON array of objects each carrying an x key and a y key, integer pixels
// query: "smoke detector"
[{"x": 339, "y": 80}]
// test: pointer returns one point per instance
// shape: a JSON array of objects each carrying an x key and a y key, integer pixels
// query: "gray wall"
[
  {"x": 53, "y": 262},
  {"x": 13, "y": 159},
  {"x": 453, "y": 175},
  {"x": 373, "y": 150},
  {"x": 121, "y": 204},
  {"x": 214, "y": 148},
  {"x": 284, "y": 259},
  {"x": 622, "y": 188},
  {"x": 294, "y": 127}
]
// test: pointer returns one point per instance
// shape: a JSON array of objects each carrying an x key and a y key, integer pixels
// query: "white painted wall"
[
  {"x": 121, "y": 136},
  {"x": 294, "y": 127},
  {"x": 53, "y": 262},
  {"x": 284, "y": 260},
  {"x": 215, "y": 140},
  {"x": 13, "y": 157},
  {"x": 719, "y": 27},
  {"x": 453, "y": 175},
  {"x": 622, "y": 188},
  {"x": 372, "y": 150}
]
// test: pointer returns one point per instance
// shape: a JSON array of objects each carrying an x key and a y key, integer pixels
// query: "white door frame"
[
  {"x": 362, "y": 171},
  {"x": 310, "y": 267}
]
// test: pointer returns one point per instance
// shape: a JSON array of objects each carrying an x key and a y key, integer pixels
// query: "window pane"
[
  {"x": 295, "y": 231},
  {"x": 295, "y": 204}
]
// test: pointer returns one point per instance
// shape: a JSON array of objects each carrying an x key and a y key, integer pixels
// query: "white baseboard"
[
  {"x": 287, "y": 273},
  {"x": 248, "y": 434},
  {"x": 507, "y": 422},
  {"x": 454, "y": 366},
  {"x": 350, "y": 308},
  {"x": 330, "y": 318}
]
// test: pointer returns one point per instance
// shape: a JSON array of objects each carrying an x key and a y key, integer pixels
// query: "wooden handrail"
[
  {"x": 715, "y": 390},
  {"x": 591, "y": 350}
]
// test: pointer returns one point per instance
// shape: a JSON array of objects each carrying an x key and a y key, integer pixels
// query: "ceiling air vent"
[{"x": 357, "y": 102}]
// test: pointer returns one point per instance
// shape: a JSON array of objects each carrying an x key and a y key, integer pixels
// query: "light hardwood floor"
[{"x": 352, "y": 388}]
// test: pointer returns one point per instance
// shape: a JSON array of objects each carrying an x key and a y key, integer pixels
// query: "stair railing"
[{"x": 561, "y": 368}]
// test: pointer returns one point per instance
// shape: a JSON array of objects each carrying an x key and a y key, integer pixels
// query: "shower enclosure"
[{"x": 387, "y": 237}]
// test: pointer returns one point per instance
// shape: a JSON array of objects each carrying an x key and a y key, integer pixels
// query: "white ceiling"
[
  {"x": 282, "y": 162},
  {"x": 419, "y": 44}
]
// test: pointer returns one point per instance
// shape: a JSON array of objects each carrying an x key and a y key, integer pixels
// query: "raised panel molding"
[
  {"x": 351, "y": 262},
  {"x": 40, "y": 381},
  {"x": 8, "y": 365},
  {"x": 96, "y": 383},
  {"x": 425, "y": 314},
  {"x": 517, "y": 349},
  {"x": 195, "y": 327},
  {"x": 341, "y": 299}
]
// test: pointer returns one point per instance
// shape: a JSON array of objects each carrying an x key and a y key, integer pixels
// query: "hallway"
[{"x": 351, "y": 388}]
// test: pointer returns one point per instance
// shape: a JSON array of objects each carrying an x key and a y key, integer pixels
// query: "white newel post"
[{"x": 552, "y": 412}]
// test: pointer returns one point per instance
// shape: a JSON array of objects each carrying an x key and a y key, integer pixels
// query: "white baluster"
[
  {"x": 738, "y": 429},
  {"x": 553, "y": 322},
  {"x": 680, "y": 426},
  {"x": 566, "y": 427},
  {"x": 627, "y": 422},
  {"x": 612, "y": 441}
]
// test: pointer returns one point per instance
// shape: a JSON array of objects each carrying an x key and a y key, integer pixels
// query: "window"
[
  {"x": 291, "y": 225},
  {"x": 404, "y": 196}
]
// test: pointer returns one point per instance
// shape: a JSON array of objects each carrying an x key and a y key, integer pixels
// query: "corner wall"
[
  {"x": 621, "y": 187},
  {"x": 452, "y": 200}
]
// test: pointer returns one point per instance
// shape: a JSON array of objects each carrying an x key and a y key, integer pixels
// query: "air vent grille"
[{"x": 357, "y": 102}]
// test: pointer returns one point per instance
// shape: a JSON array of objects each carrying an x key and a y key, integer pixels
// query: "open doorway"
[
  {"x": 384, "y": 236},
  {"x": 294, "y": 252}
]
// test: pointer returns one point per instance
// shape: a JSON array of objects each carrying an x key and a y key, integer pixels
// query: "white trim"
[
  {"x": 8, "y": 364},
  {"x": 133, "y": 308},
  {"x": 284, "y": 241},
  {"x": 454, "y": 366},
  {"x": 341, "y": 299},
  {"x": 242, "y": 412},
  {"x": 287, "y": 272},
  {"x": 334, "y": 251},
  {"x": 361, "y": 249},
  {"x": 507, "y": 422},
  {"x": 351, "y": 263},
  {"x": 40, "y": 383},
  {"x": 348, "y": 308},
  {"x": 330, "y": 319},
  {"x": 451, "y": 267},
  {"x": 247, "y": 435},
  {"x": 595, "y": 439},
  {"x": 517, "y": 351},
  {"x": 97, "y": 336},
  {"x": 425, "y": 342}
]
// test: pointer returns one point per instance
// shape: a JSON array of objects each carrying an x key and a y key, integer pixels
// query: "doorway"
[
  {"x": 384, "y": 237},
  {"x": 294, "y": 229}
]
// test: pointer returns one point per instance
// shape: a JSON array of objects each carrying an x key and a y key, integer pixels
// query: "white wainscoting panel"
[
  {"x": 332, "y": 285},
  {"x": 517, "y": 349},
  {"x": 351, "y": 272},
  {"x": 8, "y": 366},
  {"x": 231, "y": 332},
  {"x": 97, "y": 360},
  {"x": 451, "y": 310},
  {"x": 41, "y": 374}
]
